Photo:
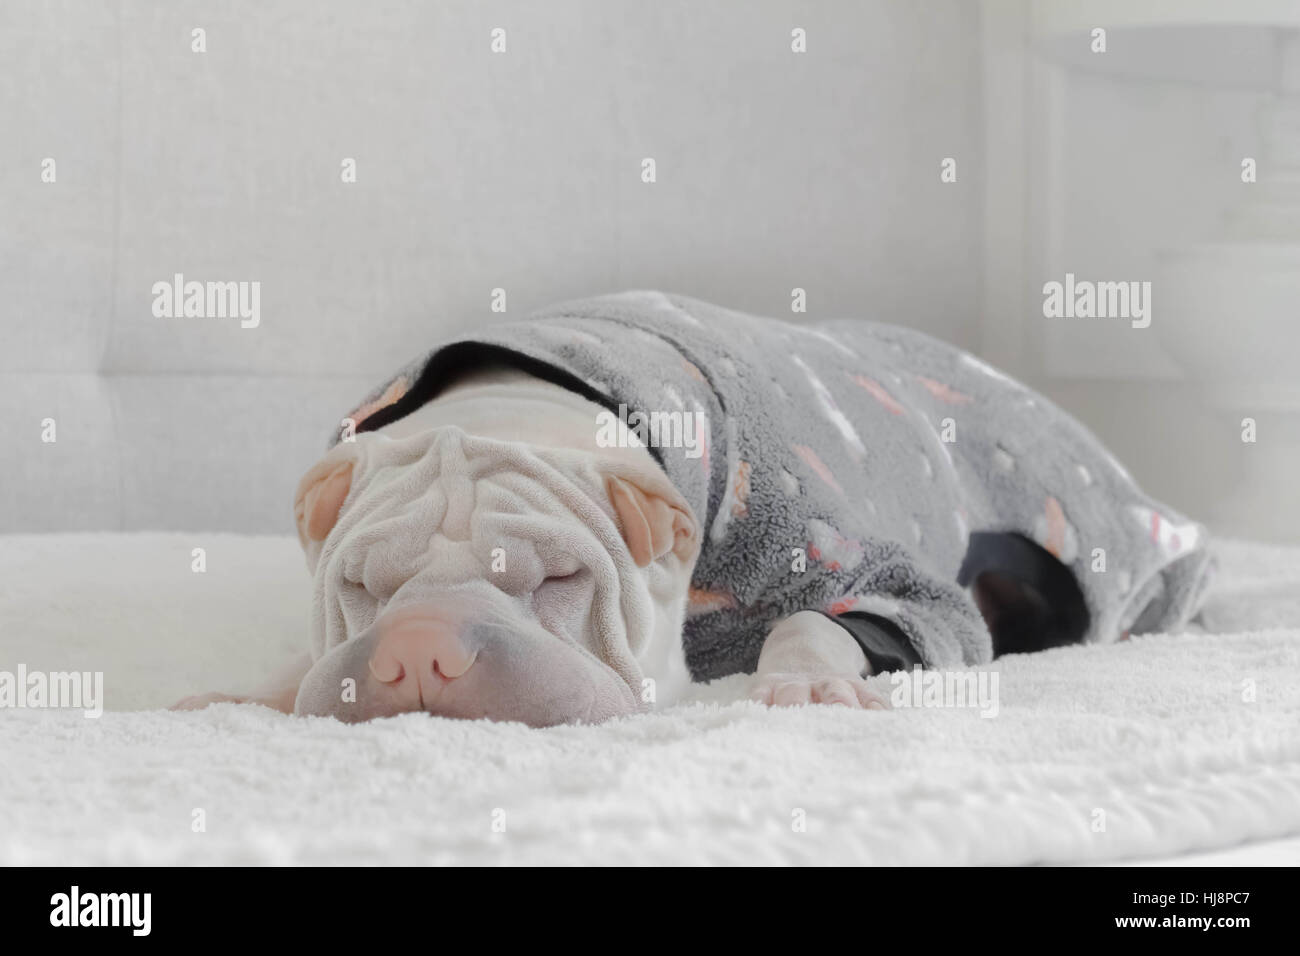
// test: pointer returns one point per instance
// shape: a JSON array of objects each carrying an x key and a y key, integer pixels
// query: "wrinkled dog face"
[{"x": 470, "y": 577}]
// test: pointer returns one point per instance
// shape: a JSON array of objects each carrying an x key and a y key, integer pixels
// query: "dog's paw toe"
[{"x": 791, "y": 690}]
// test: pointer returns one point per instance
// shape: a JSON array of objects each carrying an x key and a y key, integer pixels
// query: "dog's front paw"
[
  {"x": 789, "y": 690},
  {"x": 199, "y": 701}
]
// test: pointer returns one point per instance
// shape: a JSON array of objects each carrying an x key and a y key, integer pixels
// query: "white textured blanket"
[{"x": 1160, "y": 746}]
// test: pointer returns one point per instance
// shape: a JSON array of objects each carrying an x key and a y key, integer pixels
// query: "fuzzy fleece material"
[{"x": 840, "y": 467}]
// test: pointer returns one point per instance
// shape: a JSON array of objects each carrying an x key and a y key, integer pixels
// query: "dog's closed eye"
[
  {"x": 559, "y": 583},
  {"x": 560, "y": 599}
]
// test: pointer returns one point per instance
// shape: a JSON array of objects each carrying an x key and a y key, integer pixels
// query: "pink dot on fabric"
[
  {"x": 842, "y": 606},
  {"x": 817, "y": 465},
  {"x": 877, "y": 391},
  {"x": 944, "y": 393}
]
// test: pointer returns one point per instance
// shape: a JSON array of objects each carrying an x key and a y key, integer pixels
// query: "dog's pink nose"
[{"x": 417, "y": 656}]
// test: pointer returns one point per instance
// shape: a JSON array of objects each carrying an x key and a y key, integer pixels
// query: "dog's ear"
[
  {"x": 652, "y": 525},
  {"x": 320, "y": 497}
]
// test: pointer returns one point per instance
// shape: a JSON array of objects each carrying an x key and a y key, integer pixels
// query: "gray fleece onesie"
[{"x": 841, "y": 467}]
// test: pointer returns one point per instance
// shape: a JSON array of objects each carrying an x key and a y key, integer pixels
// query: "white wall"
[
  {"x": 1106, "y": 165},
  {"x": 476, "y": 171}
]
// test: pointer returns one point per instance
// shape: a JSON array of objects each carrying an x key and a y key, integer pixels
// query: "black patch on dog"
[{"x": 1030, "y": 600}]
